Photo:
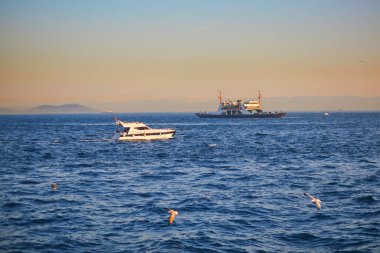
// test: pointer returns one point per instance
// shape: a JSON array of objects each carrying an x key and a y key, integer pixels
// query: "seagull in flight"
[
  {"x": 315, "y": 200},
  {"x": 54, "y": 186},
  {"x": 172, "y": 216}
]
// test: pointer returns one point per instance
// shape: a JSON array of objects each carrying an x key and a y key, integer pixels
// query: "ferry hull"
[{"x": 240, "y": 110}]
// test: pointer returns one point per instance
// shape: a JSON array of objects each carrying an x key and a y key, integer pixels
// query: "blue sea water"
[{"x": 238, "y": 184}]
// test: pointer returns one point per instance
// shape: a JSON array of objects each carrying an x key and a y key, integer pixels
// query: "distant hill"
[
  {"x": 67, "y": 108},
  {"x": 288, "y": 104},
  {"x": 322, "y": 103},
  {"x": 6, "y": 111}
]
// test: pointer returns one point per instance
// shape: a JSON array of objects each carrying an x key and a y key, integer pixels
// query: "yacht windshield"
[{"x": 142, "y": 128}]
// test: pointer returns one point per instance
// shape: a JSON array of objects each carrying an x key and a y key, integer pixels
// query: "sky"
[{"x": 106, "y": 53}]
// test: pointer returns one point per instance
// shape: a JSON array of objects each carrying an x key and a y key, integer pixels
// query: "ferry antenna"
[
  {"x": 259, "y": 97},
  {"x": 220, "y": 96}
]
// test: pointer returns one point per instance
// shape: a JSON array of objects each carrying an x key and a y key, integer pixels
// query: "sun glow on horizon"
[{"x": 98, "y": 52}]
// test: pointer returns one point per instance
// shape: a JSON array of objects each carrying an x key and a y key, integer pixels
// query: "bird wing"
[
  {"x": 309, "y": 196},
  {"x": 318, "y": 204}
]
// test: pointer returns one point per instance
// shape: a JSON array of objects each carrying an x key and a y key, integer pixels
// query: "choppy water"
[{"x": 237, "y": 184}]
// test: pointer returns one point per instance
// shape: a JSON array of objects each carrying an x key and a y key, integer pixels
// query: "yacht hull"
[{"x": 145, "y": 137}]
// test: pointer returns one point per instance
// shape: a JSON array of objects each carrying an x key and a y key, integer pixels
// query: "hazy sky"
[{"x": 95, "y": 52}]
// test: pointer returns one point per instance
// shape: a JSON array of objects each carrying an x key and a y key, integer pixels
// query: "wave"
[
  {"x": 97, "y": 140},
  {"x": 366, "y": 199},
  {"x": 243, "y": 195}
]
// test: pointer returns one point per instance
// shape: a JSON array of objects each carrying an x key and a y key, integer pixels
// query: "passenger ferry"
[{"x": 240, "y": 109}]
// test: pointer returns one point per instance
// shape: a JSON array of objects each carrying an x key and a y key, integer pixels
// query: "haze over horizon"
[{"x": 108, "y": 53}]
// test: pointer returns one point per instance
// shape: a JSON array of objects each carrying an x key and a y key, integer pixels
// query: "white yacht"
[{"x": 137, "y": 131}]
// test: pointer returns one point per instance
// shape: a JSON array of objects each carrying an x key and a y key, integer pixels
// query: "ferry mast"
[
  {"x": 220, "y": 97},
  {"x": 259, "y": 97}
]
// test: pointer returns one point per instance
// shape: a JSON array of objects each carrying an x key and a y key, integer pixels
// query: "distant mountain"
[
  {"x": 67, "y": 108},
  {"x": 6, "y": 111},
  {"x": 287, "y": 104},
  {"x": 322, "y": 103}
]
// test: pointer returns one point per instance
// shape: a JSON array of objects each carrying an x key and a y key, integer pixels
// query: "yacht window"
[
  {"x": 126, "y": 130},
  {"x": 142, "y": 128}
]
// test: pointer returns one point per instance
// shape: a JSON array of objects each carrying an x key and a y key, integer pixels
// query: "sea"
[{"x": 238, "y": 184}]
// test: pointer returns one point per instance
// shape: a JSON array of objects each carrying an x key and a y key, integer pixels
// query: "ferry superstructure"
[{"x": 240, "y": 109}]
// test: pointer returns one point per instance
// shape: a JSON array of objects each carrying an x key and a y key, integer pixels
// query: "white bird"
[
  {"x": 172, "y": 216},
  {"x": 315, "y": 200}
]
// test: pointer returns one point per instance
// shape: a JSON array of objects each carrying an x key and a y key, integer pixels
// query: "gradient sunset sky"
[{"x": 95, "y": 52}]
